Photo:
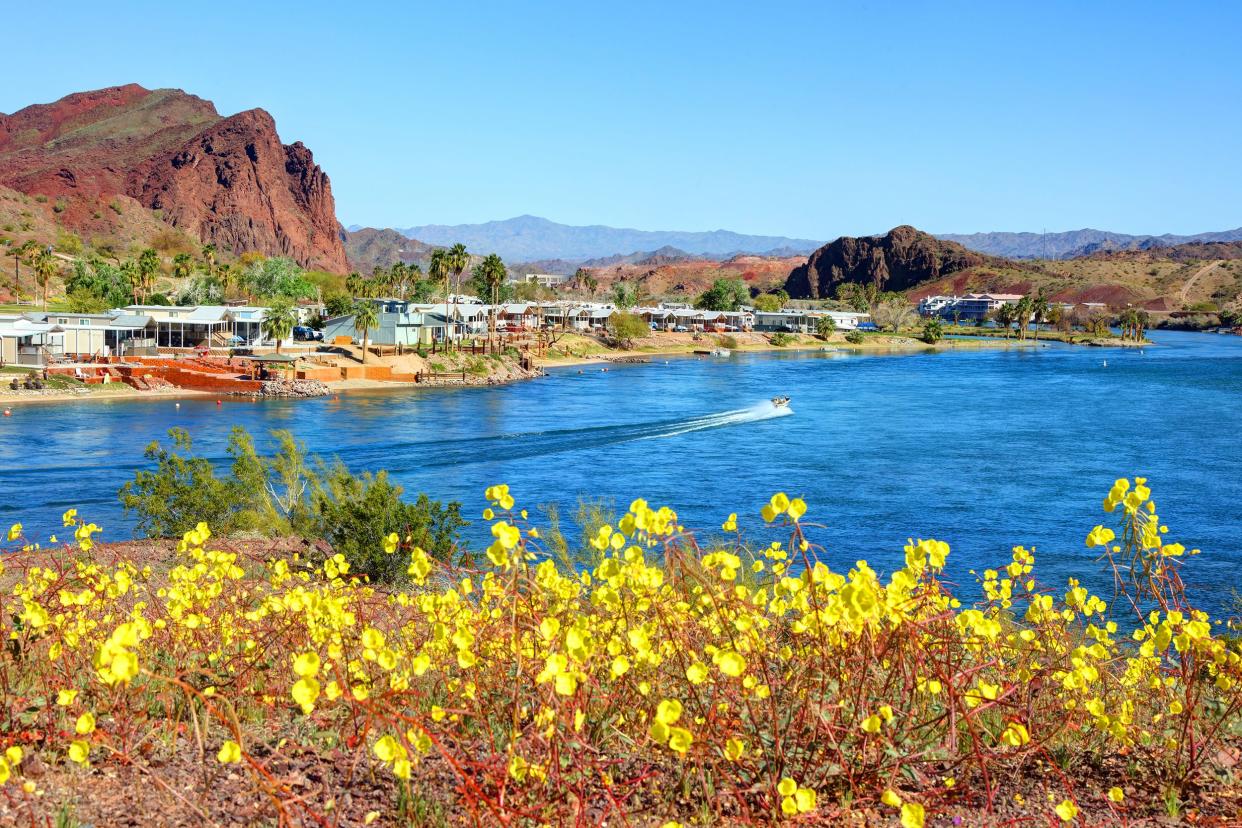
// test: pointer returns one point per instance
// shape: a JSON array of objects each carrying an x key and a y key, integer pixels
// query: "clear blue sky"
[{"x": 807, "y": 119}]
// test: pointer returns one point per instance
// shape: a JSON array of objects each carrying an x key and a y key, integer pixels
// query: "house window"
[
  {"x": 62, "y": 321},
  {"x": 84, "y": 322}
]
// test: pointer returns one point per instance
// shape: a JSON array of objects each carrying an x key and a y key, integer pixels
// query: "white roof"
[{"x": 20, "y": 326}]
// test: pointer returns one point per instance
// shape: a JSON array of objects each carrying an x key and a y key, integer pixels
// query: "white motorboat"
[{"x": 780, "y": 402}]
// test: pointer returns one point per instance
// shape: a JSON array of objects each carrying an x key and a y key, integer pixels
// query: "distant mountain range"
[
  {"x": 1075, "y": 243},
  {"x": 530, "y": 238}
]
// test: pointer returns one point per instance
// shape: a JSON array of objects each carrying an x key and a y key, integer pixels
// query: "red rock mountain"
[
  {"x": 225, "y": 180},
  {"x": 901, "y": 259}
]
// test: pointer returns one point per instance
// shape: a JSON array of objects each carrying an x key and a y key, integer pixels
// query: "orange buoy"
[
  {"x": 8, "y": 412},
  {"x": 219, "y": 403}
]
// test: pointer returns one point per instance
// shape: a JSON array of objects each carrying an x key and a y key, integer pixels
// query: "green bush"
[
  {"x": 782, "y": 339},
  {"x": 624, "y": 328},
  {"x": 933, "y": 331},
  {"x": 354, "y": 514},
  {"x": 854, "y": 337},
  {"x": 283, "y": 494},
  {"x": 729, "y": 342},
  {"x": 825, "y": 326}
]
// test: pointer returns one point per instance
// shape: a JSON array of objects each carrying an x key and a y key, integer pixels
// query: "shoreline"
[
  {"x": 895, "y": 343},
  {"x": 595, "y": 353}
]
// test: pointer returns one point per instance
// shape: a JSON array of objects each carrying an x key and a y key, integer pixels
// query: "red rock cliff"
[{"x": 229, "y": 181}]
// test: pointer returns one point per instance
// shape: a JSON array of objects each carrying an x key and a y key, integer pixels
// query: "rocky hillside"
[
  {"x": 228, "y": 181},
  {"x": 368, "y": 248},
  {"x": 1076, "y": 243},
  {"x": 688, "y": 277},
  {"x": 899, "y": 260}
]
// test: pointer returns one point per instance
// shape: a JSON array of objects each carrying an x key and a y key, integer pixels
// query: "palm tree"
[
  {"x": 439, "y": 269},
  {"x": 1005, "y": 315},
  {"x": 493, "y": 273},
  {"x": 182, "y": 265},
  {"x": 1039, "y": 310},
  {"x": 1023, "y": 313},
  {"x": 26, "y": 250},
  {"x": 366, "y": 317},
  {"x": 413, "y": 275},
  {"x": 45, "y": 267},
  {"x": 279, "y": 320},
  {"x": 148, "y": 266},
  {"x": 225, "y": 275},
  {"x": 129, "y": 270},
  {"x": 209, "y": 257},
  {"x": 457, "y": 260}
]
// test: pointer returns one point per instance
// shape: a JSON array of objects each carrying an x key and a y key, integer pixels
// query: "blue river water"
[{"x": 984, "y": 449}]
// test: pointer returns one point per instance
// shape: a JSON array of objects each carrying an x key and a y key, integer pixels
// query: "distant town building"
[
  {"x": 972, "y": 307},
  {"x": 548, "y": 280}
]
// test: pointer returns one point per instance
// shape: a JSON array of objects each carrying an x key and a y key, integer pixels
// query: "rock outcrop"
[
  {"x": 899, "y": 260},
  {"x": 224, "y": 180}
]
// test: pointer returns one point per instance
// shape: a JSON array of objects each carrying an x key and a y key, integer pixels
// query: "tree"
[
  {"x": 457, "y": 260},
  {"x": 366, "y": 317},
  {"x": 624, "y": 328},
  {"x": 492, "y": 273},
  {"x": 27, "y": 251},
  {"x": 892, "y": 313},
  {"x": 1023, "y": 311},
  {"x": 45, "y": 267},
  {"x": 227, "y": 277},
  {"x": 279, "y": 320},
  {"x": 148, "y": 266},
  {"x": 853, "y": 295},
  {"x": 182, "y": 265},
  {"x": 133, "y": 279},
  {"x": 768, "y": 302},
  {"x": 1005, "y": 315},
  {"x": 209, "y": 258},
  {"x": 1039, "y": 310},
  {"x": 592, "y": 284},
  {"x": 338, "y": 304},
  {"x": 825, "y": 326},
  {"x": 438, "y": 270},
  {"x": 624, "y": 295},
  {"x": 933, "y": 331},
  {"x": 724, "y": 295}
]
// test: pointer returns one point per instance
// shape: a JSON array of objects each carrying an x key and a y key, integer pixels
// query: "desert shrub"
[
  {"x": 854, "y": 337},
  {"x": 280, "y": 494},
  {"x": 781, "y": 339},
  {"x": 69, "y": 243},
  {"x": 729, "y": 342},
  {"x": 171, "y": 242},
  {"x": 60, "y": 206},
  {"x": 355, "y": 514},
  {"x": 624, "y": 328}
]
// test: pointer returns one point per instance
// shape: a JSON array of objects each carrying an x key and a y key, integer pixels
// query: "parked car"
[
  {"x": 304, "y": 333},
  {"x": 681, "y": 329}
]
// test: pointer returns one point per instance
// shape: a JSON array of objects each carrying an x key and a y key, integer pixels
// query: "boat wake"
[{"x": 534, "y": 444}]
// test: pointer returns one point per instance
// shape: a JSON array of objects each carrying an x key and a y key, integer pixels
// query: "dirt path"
[{"x": 1190, "y": 283}]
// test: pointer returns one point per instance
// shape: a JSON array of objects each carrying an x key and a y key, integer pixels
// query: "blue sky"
[{"x": 805, "y": 119}]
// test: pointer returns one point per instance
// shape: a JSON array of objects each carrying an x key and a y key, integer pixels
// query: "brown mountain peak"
[
  {"x": 225, "y": 180},
  {"x": 900, "y": 259}
]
